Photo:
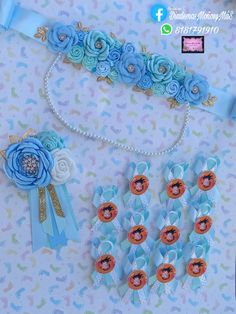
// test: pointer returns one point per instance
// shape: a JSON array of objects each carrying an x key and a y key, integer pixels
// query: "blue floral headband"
[{"x": 115, "y": 61}]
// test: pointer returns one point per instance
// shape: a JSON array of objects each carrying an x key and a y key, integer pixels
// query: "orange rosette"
[
  {"x": 137, "y": 279},
  {"x": 137, "y": 234},
  {"x": 169, "y": 234},
  {"x": 165, "y": 273},
  {"x": 196, "y": 267},
  {"x": 175, "y": 188},
  {"x": 139, "y": 184},
  {"x": 107, "y": 212},
  {"x": 206, "y": 180},
  {"x": 105, "y": 264},
  {"x": 203, "y": 224}
]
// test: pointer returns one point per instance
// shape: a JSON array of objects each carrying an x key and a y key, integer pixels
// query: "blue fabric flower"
[
  {"x": 172, "y": 88},
  {"x": 76, "y": 54},
  {"x": 128, "y": 47},
  {"x": 161, "y": 68},
  {"x": 62, "y": 37},
  {"x": 90, "y": 63},
  {"x": 113, "y": 75},
  {"x": 180, "y": 96},
  {"x": 81, "y": 35},
  {"x": 114, "y": 56},
  {"x": 158, "y": 89},
  {"x": 98, "y": 44},
  {"x": 145, "y": 82},
  {"x": 196, "y": 89},
  {"x": 130, "y": 67},
  {"x": 179, "y": 74},
  {"x": 103, "y": 68},
  {"x": 28, "y": 164},
  {"x": 50, "y": 140}
]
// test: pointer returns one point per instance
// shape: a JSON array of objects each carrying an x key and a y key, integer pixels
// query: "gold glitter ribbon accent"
[
  {"x": 16, "y": 139},
  {"x": 42, "y": 205},
  {"x": 55, "y": 200}
]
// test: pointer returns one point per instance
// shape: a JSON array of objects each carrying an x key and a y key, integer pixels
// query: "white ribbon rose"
[{"x": 64, "y": 166}]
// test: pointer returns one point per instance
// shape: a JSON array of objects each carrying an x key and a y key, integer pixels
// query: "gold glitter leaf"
[
  {"x": 41, "y": 33},
  {"x": 100, "y": 78},
  {"x": 108, "y": 80},
  {"x": 148, "y": 92},
  {"x": 210, "y": 101},
  {"x": 77, "y": 66},
  {"x": 173, "y": 103},
  {"x": 137, "y": 89},
  {"x": 65, "y": 60}
]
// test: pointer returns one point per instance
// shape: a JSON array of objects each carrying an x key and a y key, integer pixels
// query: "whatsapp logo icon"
[{"x": 166, "y": 29}]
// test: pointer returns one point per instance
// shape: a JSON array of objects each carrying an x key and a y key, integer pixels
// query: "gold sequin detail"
[
  {"x": 42, "y": 205},
  {"x": 41, "y": 33},
  {"x": 55, "y": 200},
  {"x": 210, "y": 101}
]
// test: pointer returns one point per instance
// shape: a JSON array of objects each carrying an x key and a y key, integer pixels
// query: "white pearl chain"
[{"x": 103, "y": 138}]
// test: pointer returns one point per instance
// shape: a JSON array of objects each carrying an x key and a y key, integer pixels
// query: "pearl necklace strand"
[{"x": 104, "y": 139}]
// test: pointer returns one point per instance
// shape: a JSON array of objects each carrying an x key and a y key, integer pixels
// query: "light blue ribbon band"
[
  {"x": 26, "y": 21},
  {"x": 54, "y": 231},
  {"x": 225, "y": 105}
]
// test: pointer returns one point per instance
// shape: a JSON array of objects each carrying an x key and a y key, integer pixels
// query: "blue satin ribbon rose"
[
  {"x": 145, "y": 82},
  {"x": 28, "y": 164},
  {"x": 128, "y": 47},
  {"x": 114, "y": 56},
  {"x": 103, "y": 68},
  {"x": 98, "y": 44},
  {"x": 62, "y": 37},
  {"x": 76, "y": 54},
  {"x": 172, "y": 88},
  {"x": 131, "y": 67},
  {"x": 196, "y": 89},
  {"x": 50, "y": 140},
  {"x": 161, "y": 68},
  {"x": 81, "y": 35}
]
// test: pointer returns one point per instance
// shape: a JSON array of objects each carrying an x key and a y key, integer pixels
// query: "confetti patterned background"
[{"x": 46, "y": 282}]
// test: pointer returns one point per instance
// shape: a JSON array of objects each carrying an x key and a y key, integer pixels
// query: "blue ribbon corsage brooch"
[{"x": 41, "y": 165}]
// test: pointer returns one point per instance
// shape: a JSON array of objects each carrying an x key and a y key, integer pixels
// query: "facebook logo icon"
[{"x": 159, "y": 12}]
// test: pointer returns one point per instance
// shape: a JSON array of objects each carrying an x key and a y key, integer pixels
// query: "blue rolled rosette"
[
  {"x": 76, "y": 54},
  {"x": 145, "y": 82},
  {"x": 81, "y": 35},
  {"x": 161, "y": 68},
  {"x": 172, "y": 88},
  {"x": 28, "y": 164},
  {"x": 114, "y": 56},
  {"x": 62, "y": 37},
  {"x": 50, "y": 140},
  {"x": 128, "y": 47},
  {"x": 103, "y": 68},
  {"x": 130, "y": 67},
  {"x": 181, "y": 95},
  {"x": 98, "y": 44},
  {"x": 196, "y": 89}
]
